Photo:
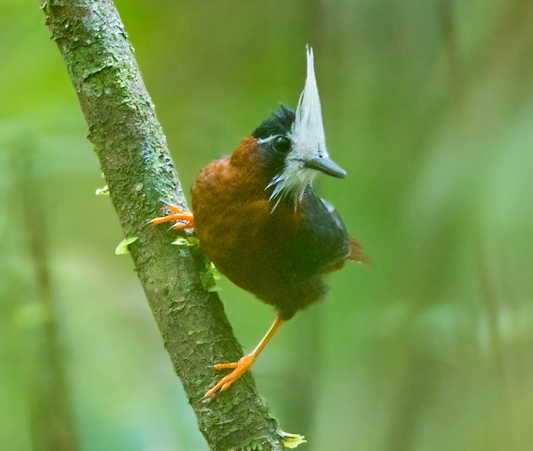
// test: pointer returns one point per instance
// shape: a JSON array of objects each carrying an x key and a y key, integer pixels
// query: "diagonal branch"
[{"x": 139, "y": 171}]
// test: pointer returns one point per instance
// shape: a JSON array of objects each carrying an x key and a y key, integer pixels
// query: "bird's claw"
[
  {"x": 239, "y": 368},
  {"x": 177, "y": 214},
  {"x": 223, "y": 366}
]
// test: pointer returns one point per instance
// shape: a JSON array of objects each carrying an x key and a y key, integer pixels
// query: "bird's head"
[{"x": 294, "y": 143}]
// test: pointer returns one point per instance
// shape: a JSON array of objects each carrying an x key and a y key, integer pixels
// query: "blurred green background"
[{"x": 429, "y": 107}]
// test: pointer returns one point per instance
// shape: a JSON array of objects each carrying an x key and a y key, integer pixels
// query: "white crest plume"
[
  {"x": 308, "y": 130},
  {"x": 308, "y": 141}
]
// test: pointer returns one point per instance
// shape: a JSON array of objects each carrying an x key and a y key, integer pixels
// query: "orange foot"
[
  {"x": 239, "y": 368},
  {"x": 186, "y": 219}
]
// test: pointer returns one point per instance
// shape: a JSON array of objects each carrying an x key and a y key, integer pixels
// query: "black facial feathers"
[
  {"x": 274, "y": 151},
  {"x": 279, "y": 124}
]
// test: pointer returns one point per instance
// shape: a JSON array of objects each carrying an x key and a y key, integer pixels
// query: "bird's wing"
[
  {"x": 356, "y": 250},
  {"x": 321, "y": 244}
]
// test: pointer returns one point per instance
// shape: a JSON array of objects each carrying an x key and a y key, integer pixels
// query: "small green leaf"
[
  {"x": 215, "y": 272},
  {"x": 186, "y": 241},
  {"x": 102, "y": 191},
  {"x": 292, "y": 440},
  {"x": 122, "y": 248}
]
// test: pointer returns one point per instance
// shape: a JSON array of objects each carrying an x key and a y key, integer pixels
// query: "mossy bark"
[{"x": 139, "y": 171}]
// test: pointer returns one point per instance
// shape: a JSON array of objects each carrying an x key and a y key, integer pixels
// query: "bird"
[{"x": 258, "y": 219}]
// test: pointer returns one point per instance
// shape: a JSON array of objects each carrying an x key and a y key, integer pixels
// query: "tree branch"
[{"x": 139, "y": 171}]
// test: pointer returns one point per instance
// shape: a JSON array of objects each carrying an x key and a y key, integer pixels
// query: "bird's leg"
[
  {"x": 177, "y": 214},
  {"x": 245, "y": 363}
]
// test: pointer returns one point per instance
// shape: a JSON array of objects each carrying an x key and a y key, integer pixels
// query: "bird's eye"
[{"x": 282, "y": 144}]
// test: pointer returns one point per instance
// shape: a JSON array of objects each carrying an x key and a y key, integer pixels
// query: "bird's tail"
[{"x": 356, "y": 252}]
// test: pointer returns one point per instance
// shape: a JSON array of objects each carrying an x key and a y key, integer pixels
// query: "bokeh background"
[{"x": 429, "y": 107}]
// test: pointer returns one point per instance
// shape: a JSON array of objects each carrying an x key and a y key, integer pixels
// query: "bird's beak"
[{"x": 326, "y": 166}]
